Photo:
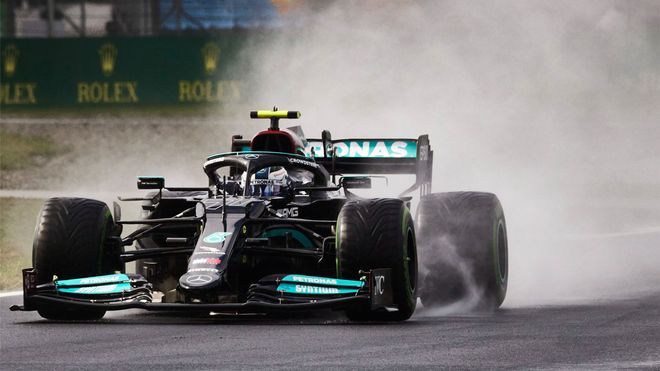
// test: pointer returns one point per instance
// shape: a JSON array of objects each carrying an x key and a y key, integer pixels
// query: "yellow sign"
[
  {"x": 208, "y": 91},
  {"x": 18, "y": 93},
  {"x": 10, "y": 55},
  {"x": 105, "y": 92},
  {"x": 108, "y": 55},
  {"x": 210, "y": 57}
]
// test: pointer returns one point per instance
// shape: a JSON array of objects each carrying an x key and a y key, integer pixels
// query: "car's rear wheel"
[
  {"x": 74, "y": 237},
  {"x": 379, "y": 233},
  {"x": 463, "y": 249}
]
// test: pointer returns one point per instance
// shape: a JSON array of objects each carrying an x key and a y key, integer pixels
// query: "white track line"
[
  {"x": 10, "y": 293},
  {"x": 638, "y": 232},
  {"x": 20, "y": 193}
]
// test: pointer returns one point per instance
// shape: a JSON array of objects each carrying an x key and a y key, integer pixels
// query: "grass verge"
[
  {"x": 123, "y": 111},
  {"x": 21, "y": 151},
  {"x": 17, "y": 221}
]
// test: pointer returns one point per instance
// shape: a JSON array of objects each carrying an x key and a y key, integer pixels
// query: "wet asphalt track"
[
  {"x": 621, "y": 333},
  {"x": 603, "y": 335}
]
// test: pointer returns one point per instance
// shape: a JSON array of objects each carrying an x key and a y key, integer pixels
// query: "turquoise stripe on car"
[
  {"x": 321, "y": 281},
  {"x": 93, "y": 281},
  {"x": 292, "y": 288},
  {"x": 114, "y": 288}
]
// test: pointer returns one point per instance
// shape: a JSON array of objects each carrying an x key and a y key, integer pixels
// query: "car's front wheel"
[
  {"x": 379, "y": 233},
  {"x": 73, "y": 239}
]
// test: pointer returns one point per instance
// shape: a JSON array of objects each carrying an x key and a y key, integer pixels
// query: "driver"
[
  {"x": 276, "y": 181},
  {"x": 270, "y": 181}
]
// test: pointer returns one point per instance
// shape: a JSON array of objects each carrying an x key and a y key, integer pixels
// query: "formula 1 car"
[{"x": 279, "y": 228}]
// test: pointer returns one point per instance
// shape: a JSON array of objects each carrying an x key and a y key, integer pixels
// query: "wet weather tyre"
[
  {"x": 74, "y": 237},
  {"x": 379, "y": 233},
  {"x": 462, "y": 242}
]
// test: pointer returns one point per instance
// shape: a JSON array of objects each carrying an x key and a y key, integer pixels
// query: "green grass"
[
  {"x": 17, "y": 222},
  {"x": 20, "y": 151},
  {"x": 123, "y": 111}
]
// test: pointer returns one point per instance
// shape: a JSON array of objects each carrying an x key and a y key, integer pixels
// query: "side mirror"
[
  {"x": 355, "y": 182},
  {"x": 200, "y": 210},
  {"x": 151, "y": 182}
]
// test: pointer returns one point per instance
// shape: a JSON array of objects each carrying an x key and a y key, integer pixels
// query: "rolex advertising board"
[{"x": 118, "y": 71}]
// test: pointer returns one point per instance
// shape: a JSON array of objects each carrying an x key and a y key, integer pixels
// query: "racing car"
[{"x": 280, "y": 227}]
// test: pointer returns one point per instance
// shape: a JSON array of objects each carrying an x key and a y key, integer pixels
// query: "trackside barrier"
[{"x": 101, "y": 72}]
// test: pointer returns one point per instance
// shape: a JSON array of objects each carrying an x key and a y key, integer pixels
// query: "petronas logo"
[
  {"x": 210, "y": 57},
  {"x": 10, "y": 55},
  {"x": 108, "y": 55}
]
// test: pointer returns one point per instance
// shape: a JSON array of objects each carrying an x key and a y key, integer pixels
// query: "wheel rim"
[
  {"x": 502, "y": 252},
  {"x": 412, "y": 260}
]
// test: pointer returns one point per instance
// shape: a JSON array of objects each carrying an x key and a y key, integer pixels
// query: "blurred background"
[
  {"x": 146, "y": 52},
  {"x": 554, "y": 106},
  {"x": 98, "y": 18}
]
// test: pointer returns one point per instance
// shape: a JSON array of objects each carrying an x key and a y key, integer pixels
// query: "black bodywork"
[{"x": 223, "y": 248}]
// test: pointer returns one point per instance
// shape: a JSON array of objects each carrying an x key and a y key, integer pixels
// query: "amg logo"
[{"x": 286, "y": 213}]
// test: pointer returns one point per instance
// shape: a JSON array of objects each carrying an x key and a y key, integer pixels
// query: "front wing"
[{"x": 272, "y": 294}]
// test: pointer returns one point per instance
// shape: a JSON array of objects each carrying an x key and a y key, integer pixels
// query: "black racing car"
[{"x": 279, "y": 228}]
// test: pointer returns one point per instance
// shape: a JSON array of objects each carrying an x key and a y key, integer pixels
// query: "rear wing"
[{"x": 376, "y": 156}]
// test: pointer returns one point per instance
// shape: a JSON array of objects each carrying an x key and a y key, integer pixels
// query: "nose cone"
[{"x": 200, "y": 279}]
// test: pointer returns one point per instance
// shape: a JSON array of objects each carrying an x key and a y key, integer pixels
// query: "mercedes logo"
[
  {"x": 251, "y": 156},
  {"x": 199, "y": 279}
]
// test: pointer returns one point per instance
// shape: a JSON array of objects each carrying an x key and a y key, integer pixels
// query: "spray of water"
[
  {"x": 553, "y": 106},
  {"x": 472, "y": 294}
]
